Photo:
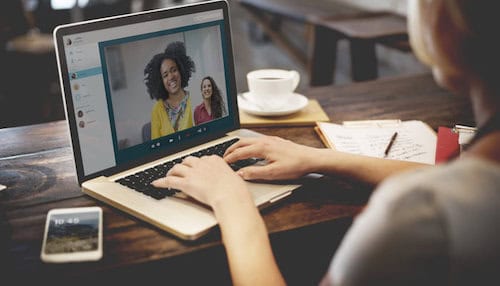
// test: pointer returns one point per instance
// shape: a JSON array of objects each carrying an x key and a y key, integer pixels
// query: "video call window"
[{"x": 125, "y": 61}]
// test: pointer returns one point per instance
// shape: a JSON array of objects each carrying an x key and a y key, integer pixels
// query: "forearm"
[
  {"x": 245, "y": 238},
  {"x": 368, "y": 169}
]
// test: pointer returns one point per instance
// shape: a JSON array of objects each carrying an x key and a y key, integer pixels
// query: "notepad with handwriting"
[{"x": 416, "y": 141}]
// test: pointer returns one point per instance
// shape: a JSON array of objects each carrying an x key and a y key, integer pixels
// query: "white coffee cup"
[{"x": 272, "y": 88}]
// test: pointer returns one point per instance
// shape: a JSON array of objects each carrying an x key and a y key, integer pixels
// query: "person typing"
[{"x": 423, "y": 225}]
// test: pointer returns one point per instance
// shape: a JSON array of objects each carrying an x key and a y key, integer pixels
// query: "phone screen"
[{"x": 73, "y": 234}]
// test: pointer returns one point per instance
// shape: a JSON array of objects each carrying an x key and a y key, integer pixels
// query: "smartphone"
[{"x": 72, "y": 234}]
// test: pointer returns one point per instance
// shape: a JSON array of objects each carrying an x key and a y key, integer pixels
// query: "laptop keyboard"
[{"x": 141, "y": 181}]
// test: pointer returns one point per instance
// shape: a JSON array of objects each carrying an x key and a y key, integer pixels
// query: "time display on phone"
[
  {"x": 71, "y": 220},
  {"x": 73, "y": 232}
]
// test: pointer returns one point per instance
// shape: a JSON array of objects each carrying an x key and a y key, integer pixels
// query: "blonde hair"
[
  {"x": 418, "y": 36},
  {"x": 456, "y": 35}
]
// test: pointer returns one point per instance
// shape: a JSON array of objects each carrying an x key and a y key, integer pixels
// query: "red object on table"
[{"x": 447, "y": 144}]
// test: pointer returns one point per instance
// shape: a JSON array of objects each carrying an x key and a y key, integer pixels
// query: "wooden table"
[
  {"x": 363, "y": 32},
  {"x": 36, "y": 165},
  {"x": 328, "y": 22}
]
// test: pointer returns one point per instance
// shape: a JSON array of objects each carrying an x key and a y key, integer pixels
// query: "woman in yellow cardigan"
[{"x": 166, "y": 76}]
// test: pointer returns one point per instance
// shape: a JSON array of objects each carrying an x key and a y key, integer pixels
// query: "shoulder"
[
  {"x": 461, "y": 194},
  {"x": 158, "y": 108},
  {"x": 416, "y": 224},
  {"x": 199, "y": 107},
  {"x": 449, "y": 183},
  {"x": 398, "y": 236},
  {"x": 158, "y": 104},
  {"x": 462, "y": 191}
]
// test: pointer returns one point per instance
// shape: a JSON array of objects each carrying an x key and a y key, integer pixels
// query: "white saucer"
[{"x": 296, "y": 103}]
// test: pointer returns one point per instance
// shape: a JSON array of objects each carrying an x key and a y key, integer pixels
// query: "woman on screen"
[
  {"x": 212, "y": 106},
  {"x": 166, "y": 76}
]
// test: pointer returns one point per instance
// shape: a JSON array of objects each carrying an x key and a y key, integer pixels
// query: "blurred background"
[{"x": 29, "y": 87}]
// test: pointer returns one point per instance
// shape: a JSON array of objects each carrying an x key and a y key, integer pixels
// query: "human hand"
[
  {"x": 208, "y": 179},
  {"x": 285, "y": 159}
]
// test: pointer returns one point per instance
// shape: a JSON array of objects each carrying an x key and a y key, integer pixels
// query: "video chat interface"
[{"x": 91, "y": 92}]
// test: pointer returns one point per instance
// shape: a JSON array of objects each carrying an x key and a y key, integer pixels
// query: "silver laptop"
[{"x": 109, "y": 110}]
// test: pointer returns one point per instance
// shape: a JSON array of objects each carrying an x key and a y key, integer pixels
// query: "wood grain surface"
[{"x": 36, "y": 166}]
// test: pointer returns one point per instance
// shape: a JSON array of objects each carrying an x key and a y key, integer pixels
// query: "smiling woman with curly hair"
[{"x": 166, "y": 76}]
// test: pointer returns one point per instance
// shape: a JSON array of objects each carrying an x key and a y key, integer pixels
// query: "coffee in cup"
[{"x": 272, "y": 88}]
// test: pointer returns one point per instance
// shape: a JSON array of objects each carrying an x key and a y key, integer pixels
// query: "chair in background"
[
  {"x": 327, "y": 22},
  {"x": 146, "y": 132}
]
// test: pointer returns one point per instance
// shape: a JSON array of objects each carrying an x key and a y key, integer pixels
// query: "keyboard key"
[{"x": 141, "y": 181}]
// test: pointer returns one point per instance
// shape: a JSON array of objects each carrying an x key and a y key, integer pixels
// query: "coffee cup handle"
[{"x": 296, "y": 79}]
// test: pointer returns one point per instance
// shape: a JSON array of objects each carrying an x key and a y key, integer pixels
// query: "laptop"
[{"x": 109, "y": 110}]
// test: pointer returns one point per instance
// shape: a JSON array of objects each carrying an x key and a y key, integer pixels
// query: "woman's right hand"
[{"x": 284, "y": 159}]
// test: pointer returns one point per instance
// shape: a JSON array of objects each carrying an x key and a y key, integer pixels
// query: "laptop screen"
[{"x": 142, "y": 86}]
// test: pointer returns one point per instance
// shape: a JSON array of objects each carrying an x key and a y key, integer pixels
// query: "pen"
[{"x": 388, "y": 148}]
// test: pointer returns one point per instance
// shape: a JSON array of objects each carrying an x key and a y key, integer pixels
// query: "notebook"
[
  {"x": 109, "y": 109},
  {"x": 411, "y": 140}
]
